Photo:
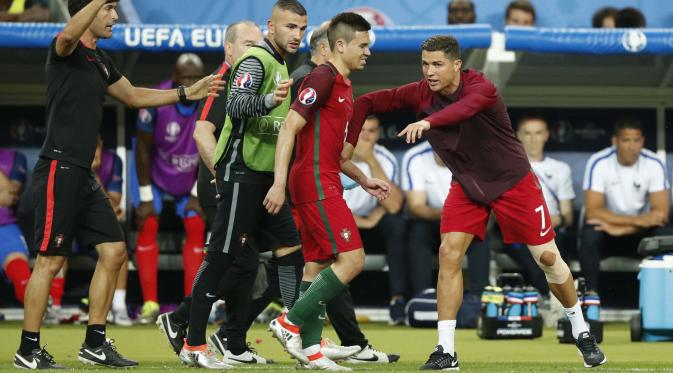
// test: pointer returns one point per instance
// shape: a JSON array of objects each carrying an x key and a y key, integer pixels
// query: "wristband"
[
  {"x": 194, "y": 189},
  {"x": 182, "y": 95},
  {"x": 146, "y": 194}
]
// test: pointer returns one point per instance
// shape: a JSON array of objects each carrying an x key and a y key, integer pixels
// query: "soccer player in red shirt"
[
  {"x": 319, "y": 119},
  {"x": 466, "y": 122}
]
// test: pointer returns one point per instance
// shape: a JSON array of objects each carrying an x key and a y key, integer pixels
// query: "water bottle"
[
  {"x": 505, "y": 302},
  {"x": 515, "y": 302},
  {"x": 530, "y": 299},
  {"x": 488, "y": 308},
  {"x": 592, "y": 302},
  {"x": 499, "y": 300},
  {"x": 491, "y": 299}
]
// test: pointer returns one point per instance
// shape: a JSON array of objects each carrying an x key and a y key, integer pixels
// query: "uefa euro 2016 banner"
[
  {"x": 205, "y": 38},
  {"x": 156, "y": 38},
  {"x": 589, "y": 41}
]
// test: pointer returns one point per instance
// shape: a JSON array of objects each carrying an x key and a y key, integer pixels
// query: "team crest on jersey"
[
  {"x": 172, "y": 131},
  {"x": 308, "y": 96},
  {"x": 244, "y": 81},
  {"x": 145, "y": 116},
  {"x": 346, "y": 235}
]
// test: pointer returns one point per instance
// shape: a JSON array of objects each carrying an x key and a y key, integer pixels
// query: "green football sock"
[
  {"x": 308, "y": 307},
  {"x": 311, "y": 332}
]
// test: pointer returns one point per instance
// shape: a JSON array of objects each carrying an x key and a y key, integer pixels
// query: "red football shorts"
[
  {"x": 327, "y": 228},
  {"x": 521, "y": 213}
]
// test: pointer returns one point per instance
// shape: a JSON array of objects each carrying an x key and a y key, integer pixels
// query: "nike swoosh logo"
[
  {"x": 341, "y": 99},
  {"x": 210, "y": 295},
  {"x": 99, "y": 332},
  {"x": 373, "y": 358},
  {"x": 171, "y": 333},
  {"x": 321, "y": 317},
  {"x": 545, "y": 231},
  {"x": 30, "y": 364},
  {"x": 100, "y": 356},
  {"x": 32, "y": 339},
  {"x": 251, "y": 361}
]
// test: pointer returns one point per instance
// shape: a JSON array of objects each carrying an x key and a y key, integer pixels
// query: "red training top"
[
  {"x": 325, "y": 100},
  {"x": 470, "y": 131}
]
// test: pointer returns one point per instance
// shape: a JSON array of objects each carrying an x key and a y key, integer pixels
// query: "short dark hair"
[
  {"x": 523, "y": 5},
  {"x": 318, "y": 34},
  {"x": 293, "y": 6},
  {"x": 601, "y": 14},
  {"x": 445, "y": 43},
  {"x": 75, "y": 6},
  {"x": 630, "y": 18},
  {"x": 344, "y": 25},
  {"x": 631, "y": 123},
  {"x": 531, "y": 117},
  {"x": 468, "y": 2}
]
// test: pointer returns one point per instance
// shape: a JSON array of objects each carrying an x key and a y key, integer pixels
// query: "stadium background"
[{"x": 582, "y": 85}]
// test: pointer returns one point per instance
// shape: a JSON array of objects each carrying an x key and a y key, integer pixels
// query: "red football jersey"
[{"x": 325, "y": 100}]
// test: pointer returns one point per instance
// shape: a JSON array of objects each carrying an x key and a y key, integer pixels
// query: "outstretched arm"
[
  {"x": 482, "y": 96},
  {"x": 244, "y": 100},
  {"x": 406, "y": 97},
  {"x": 137, "y": 97}
]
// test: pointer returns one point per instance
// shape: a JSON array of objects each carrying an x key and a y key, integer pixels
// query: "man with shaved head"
[
  {"x": 319, "y": 50},
  {"x": 257, "y": 102},
  {"x": 166, "y": 160},
  {"x": 236, "y": 289}
]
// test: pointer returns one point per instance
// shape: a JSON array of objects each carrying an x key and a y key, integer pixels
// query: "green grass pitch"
[{"x": 545, "y": 354}]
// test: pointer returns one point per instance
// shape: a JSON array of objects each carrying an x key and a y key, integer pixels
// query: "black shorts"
[
  {"x": 70, "y": 204},
  {"x": 241, "y": 217}
]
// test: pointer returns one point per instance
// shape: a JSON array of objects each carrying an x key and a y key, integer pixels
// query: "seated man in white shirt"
[
  {"x": 372, "y": 216},
  {"x": 626, "y": 197},
  {"x": 557, "y": 186},
  {"x": 426, "y": 181}
]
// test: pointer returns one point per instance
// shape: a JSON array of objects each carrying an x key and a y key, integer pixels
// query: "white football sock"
[
  {"x": 576, "y": 318},
  {"x": 446, "y": 330},
  {"x": 119, "y": 299}
]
